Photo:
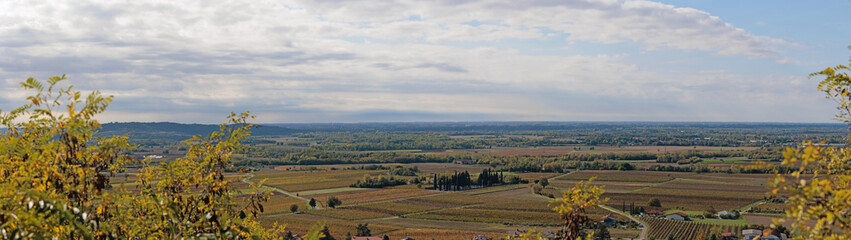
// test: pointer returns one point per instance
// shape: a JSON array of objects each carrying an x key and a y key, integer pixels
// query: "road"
[
  {"x": 643, "y": 227},
  {"x": 281, "y": 191}
]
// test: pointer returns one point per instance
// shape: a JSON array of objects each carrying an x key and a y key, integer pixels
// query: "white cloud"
[
  {"x": 653, "y": 24},
  {"x": 329, "y": 60}
]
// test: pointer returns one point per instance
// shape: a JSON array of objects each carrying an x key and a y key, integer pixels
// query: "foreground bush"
[{"x": 54, "y": 174}]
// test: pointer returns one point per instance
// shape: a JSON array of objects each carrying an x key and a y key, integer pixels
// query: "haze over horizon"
[{"x": 446, "y": 61}]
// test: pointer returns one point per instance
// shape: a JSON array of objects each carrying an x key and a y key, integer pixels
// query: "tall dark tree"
[
  {"x": 363, "y": 230},
  {"x": 327, "y": 234}
]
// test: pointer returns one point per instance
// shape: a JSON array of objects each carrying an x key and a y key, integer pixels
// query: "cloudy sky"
[{"x": 462, "y": 60}]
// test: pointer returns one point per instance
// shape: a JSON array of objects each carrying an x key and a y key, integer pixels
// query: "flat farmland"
[
  {"x": 661, "y": 228},
  {"x": 517, "y": 205},
  {"x": 750, "y": 179},
  {"x": 524, "y": 193},
  {"x": 611, "y": 187},
  {"x": 406, "y": 209},
  {"x": 495, "y": 189},
  {"x": 373, "y": 211},
  {"x": 774, "y": 206},
  {"x": 451, "y": 199},
  {"x": 313, "y": 180},
  {"x": 301, "y": 223},
  {"x": 448, "y": 168},
  {"x": 440, "y": 234},
  {"x": 332, "y": 191},
  {"x": 694, "y": 195},
  {"x": 278, "y": 203},
  {"x": 561, "y": 150},
  {"x": 376, "y": 195},
  {"x": 761, "y": 219},
  {"x": 490, "y": 216},
  {"x": 348, "y": 213},
  {"x": 532, "y": 176},
  {"x": 437, "y": 224},
  {"x": 623, "y": 176},
  {"x": 654, "y": 149},
  {"x": 396, "y": 208},
  {"x": 531, "y": 151},
  {"x": 329, "y": 166}
]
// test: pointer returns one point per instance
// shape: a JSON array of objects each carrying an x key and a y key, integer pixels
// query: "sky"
[{"x": 404, "y": 61}]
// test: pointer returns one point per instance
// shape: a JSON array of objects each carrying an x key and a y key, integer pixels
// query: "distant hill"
[
  {"x": 475, "y": 127},
  {"x": 168, "y": 130}
]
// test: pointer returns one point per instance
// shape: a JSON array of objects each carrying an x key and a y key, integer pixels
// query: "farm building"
[
  {"x": 751, "y": 233},
  {"x": 407, "y": 238},
  {"x": 772, "y": 234},
  {"x": 655, "y": 213},
  {"x": 678, "y": 216},
  {"x": 609, "y": 220},
  {"x": 728, "y": 236},
  {"x": 480, "y": 237}
]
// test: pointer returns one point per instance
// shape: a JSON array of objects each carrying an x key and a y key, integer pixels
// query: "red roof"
[{"x": 727, "y": 234}]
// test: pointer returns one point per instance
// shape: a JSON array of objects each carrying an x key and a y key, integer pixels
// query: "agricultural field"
[
  {"x": 532, "y": 176},
  {"x": 332, "y": 191},
  {"x": 316, "y": 161},
  {"x": 668, "y": 148},
  {"x": 375, "y": 195},
  {"x": 772, "y": 207},
  {"x": 313, "y": 180},
  {"x": 661, "y": 228},
  {"x": 503, "y": 151},
  {"x": 749, "y": 179},
  {"x": 516, "y": 205},
  {"x": 301, "y": 223},
  {"x": 396, "y": 208},
  {"x": 622, "y": 176},
  {"x": 452, "y": 199},
  {"x": 348, "y": 213},
  {"x": 495, "y": 189},
  {"x": 676, "y": 190},
  {"x": 407, "y": 210},
  {"x": 439, "y": 234},
  {"x": 444, "y": 168},
  {"x": 611, "y": 187},
  {"x": 694, "y": 195},
  {"x": 491, "y": 216},
  {"x": 278, "y": 203},
  {"x": 519, "y": 193}
]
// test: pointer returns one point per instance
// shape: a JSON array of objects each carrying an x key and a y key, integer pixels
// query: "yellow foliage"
[
  {"x": 573, "y": 203},
  {"x": 817, "y": 179},
  {"x": 54, "y": 170}
]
